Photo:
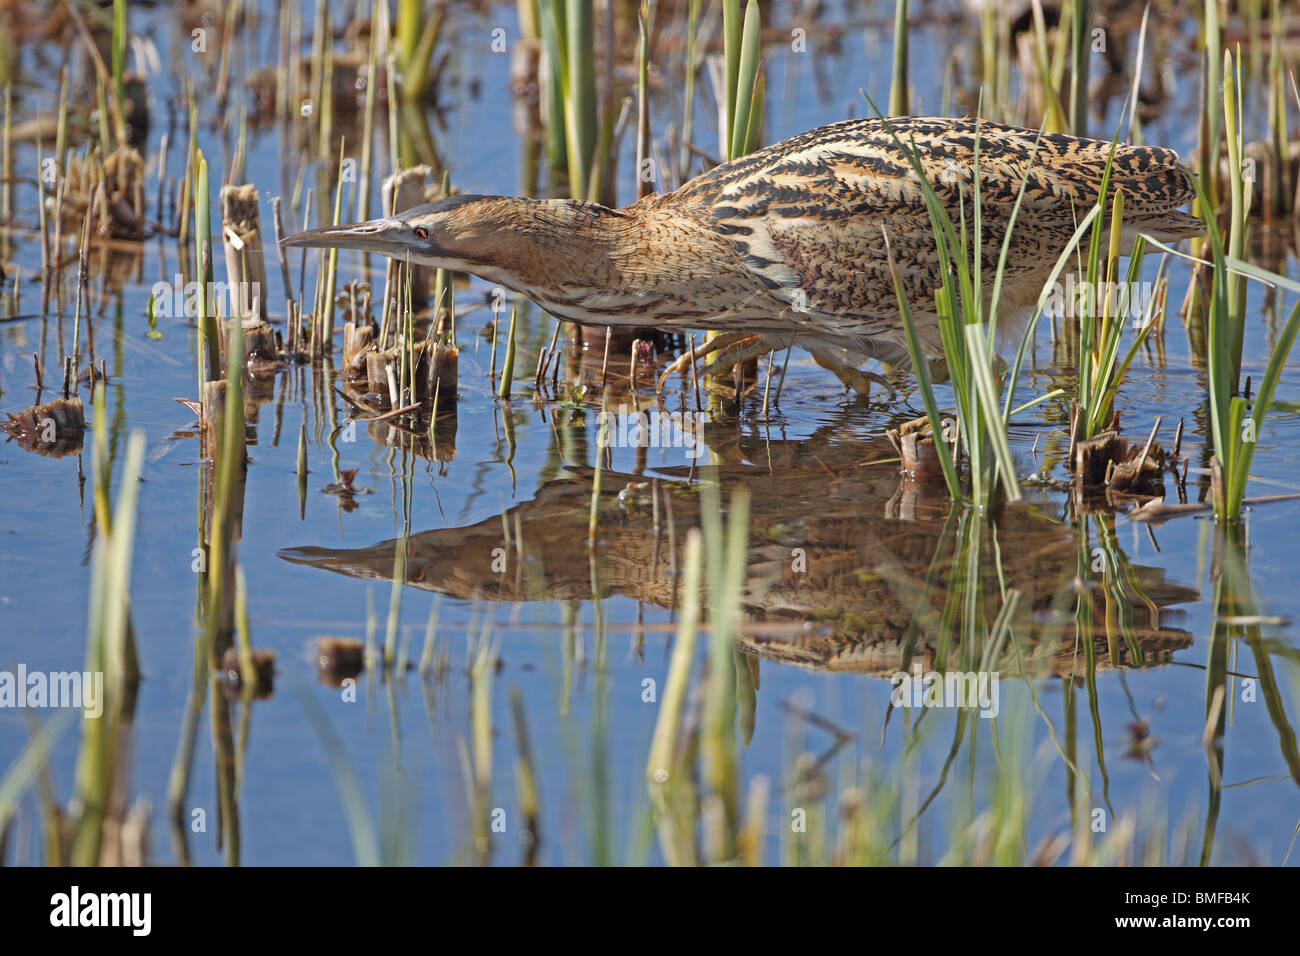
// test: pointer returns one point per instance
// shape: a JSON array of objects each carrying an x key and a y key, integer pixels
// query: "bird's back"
[
  {"x": 808, "y": 216},
  {"x": 857, "y": 166}
]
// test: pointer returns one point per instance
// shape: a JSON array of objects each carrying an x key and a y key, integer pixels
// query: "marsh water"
[{"x": 850, "y": 574}]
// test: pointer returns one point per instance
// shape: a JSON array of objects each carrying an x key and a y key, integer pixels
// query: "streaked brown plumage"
[{"x": 788, "y": 242}]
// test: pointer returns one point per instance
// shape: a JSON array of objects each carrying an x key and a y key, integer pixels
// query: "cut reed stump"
[
  {"x": 260, "y": 351},
  {"x": 436, "y": 372},
  {"x": 1094, "y": 457},
  {"x": 241, "y": 237},
  {"x": 1110, "y": 461},
  {"x": 241, "y": 234},
  {"x": 119, "y": 212},
  {"x": 914, "y": 442},
  {"x": 213, "y": 407},
  {"x": 339, "y": 659},
  {"x": 232, "y": 683},
  {"x": 358, "y": 342},
  {"x": 260, "y": 364},
  {"x": 442, "y": 372},
  {"x": 54, "y": 429}
]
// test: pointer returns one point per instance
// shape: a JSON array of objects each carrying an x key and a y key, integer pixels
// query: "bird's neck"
[{"x": 532, "y": 245}]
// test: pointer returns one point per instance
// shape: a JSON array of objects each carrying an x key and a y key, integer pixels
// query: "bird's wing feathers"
[
  {"x": 807, "y": 215},
  {"x": 845, "y": 170}
]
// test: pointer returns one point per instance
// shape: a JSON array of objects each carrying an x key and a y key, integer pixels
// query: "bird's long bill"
[{"x": 389, "y": 237}]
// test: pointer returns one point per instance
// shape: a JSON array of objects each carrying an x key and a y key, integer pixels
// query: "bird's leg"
[
  {"x": 722, "y": 340},
  {"x": 747, "y": 345},
  {"x": 854, "y": 378}
]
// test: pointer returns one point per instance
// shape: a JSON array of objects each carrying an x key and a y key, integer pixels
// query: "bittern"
[{"x": 787, "y": 245}]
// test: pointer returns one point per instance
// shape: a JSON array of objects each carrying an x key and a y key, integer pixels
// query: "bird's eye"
[{"x": 421, "y": 232}]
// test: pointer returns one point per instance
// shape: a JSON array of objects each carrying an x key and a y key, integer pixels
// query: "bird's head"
[{"x": 447, "y": 233}]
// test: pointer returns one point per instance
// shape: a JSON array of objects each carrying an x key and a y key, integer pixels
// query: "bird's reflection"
[{"x": 850, "y": 568}]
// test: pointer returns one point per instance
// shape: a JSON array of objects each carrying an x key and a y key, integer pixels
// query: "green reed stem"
[
  {"x": 203, "y": 258},
  {"x": 508, "y": 363},
  {"x": 898, "y": 92},
  {"x": 1080, "y": 53}
]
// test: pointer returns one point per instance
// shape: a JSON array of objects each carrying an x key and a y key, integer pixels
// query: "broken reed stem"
[
  {"x": 541, "y": 368},
  {"x": 767, "y": 384},
  {"x": 277, "y": 223},
  {"x": 56, "y": 258},
  {"x": 632, "y": 364},
  {"x": 185, "y": 197},
  {"x": 551, "y": 354},
  {"x": 160, "y": 186},
  {"x": 326, "y": 341},
  {"x": 42, "y": 219},
  {"x": 695, "y": 376},
  {"x": 82, "y": 278},
  {"x": 604, "y": 362}
]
